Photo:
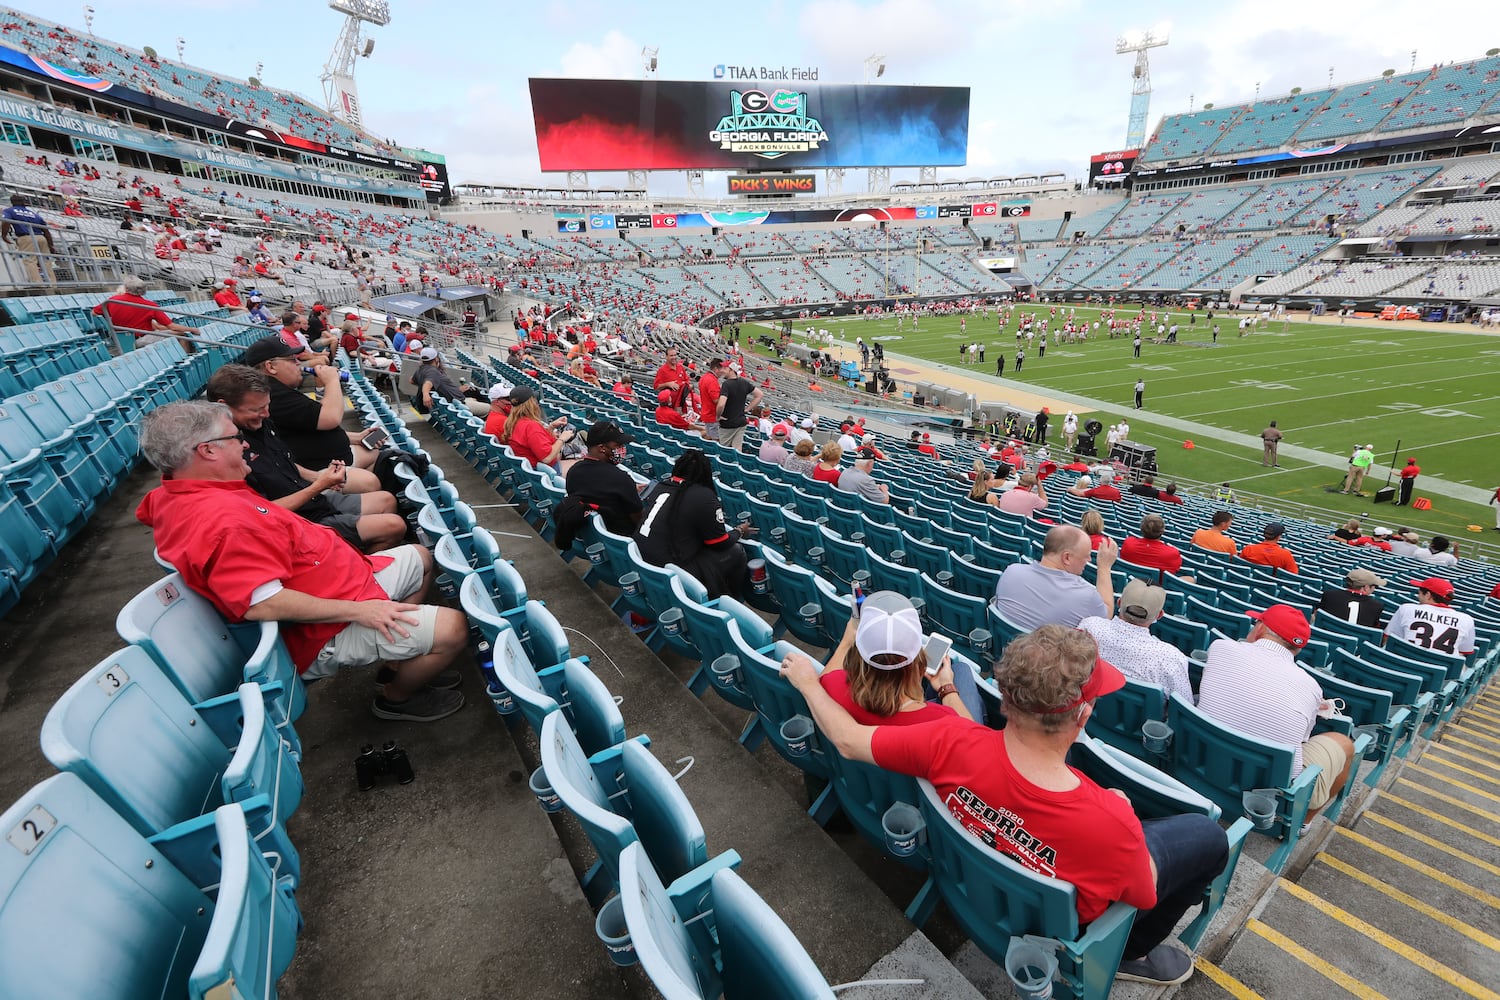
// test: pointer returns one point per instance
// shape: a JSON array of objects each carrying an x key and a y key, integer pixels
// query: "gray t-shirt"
[
  {"x": 1031, "y": 595},
  {"x": 442, "y": 383},
  {"x": 855, "y": 480}
]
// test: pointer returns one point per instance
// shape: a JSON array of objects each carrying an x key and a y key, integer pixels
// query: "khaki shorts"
[
  {"x": 1330, "y": 758},
  {"x": 358, "y": 646}
]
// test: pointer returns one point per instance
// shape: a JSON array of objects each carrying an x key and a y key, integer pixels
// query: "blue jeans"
[
  {"x": 967, "y": 689},
  {"x": 1190, "y": 852}
]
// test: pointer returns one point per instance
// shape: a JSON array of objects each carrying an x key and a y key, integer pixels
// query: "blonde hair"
[
  {"x": 529, "y": 410},
  {"x": 1028, "y": 481},
  {"x": 804, "y": 448},
  {"x": 880, "y": 692},
  {"x": 1092, "y": 522},
  {"x": 981, "y": 480},
  {"x": 831, "y": 453}
]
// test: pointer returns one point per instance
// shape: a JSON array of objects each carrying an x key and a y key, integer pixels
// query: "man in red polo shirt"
[
  {"x": 257, "y": 561},
  {"x": 1409, "y": 473},
  {"x": 129, "y": 311},
  {"x": 1147, "y": 549},
  {"x": 1104, "y": 491},
  {"x": 672, "y": 376}
]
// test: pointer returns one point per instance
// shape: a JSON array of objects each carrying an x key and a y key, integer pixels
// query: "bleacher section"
[
  {"x": 1180, "y": 137},
  {"x": 1448, "y": 94},
  {"x": 1269, "y": 124}
]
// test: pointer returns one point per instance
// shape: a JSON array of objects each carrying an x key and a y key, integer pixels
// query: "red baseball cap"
[
  {"x": 1104, "y": 679},
  {"x": 320, "y": 308},
  {"x": 1286, "y": 621},
  {"x": 1439, "y": 588}
]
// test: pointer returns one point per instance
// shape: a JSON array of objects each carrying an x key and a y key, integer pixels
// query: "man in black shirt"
[
  {"x": 367, "y": 520},
  {"x": 1354, "y": 601},
  {"x": 736, "y": 395},
  {"x": 313, "y": 430},
  {"x": 1145, "y": 488},
  {"x": 601, "y": 485}
]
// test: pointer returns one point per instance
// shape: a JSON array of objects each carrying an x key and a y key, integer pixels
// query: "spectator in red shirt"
[
  {"x": 1104, "y": 491},
  {"x": 708, "y": 399},
  {"x": 226, "y": 297},
  {"x": 260, "y": 562},
  {"x": 1092, "y": 523},
  {"x": 1013, "y": 790},
  {"x": 494, "y": 424},
  {"x": 625, "y": 388},
  {"x": 667, "y": 414},
  {"x": 827, "y": 470},
  {"x": 1149, "y": 550},
  {"x": 129, "y": 311},
  {"x": 672, "y": 376},
  {"x": 1169, "y": 495},
  {"x": 531, "y": 436}
]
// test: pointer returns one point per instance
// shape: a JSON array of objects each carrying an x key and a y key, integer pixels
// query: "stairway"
[{"x": 1406, "y": 903}]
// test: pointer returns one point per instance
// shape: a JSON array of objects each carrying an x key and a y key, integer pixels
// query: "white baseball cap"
[
  {"x": 500, "y": 390},
  {"x": 888, "y": 626},
  {"x": 808, "y": 423},
  {"x": 429, "y": 354}
]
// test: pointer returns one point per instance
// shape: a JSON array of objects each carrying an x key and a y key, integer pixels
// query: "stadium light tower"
[
  {"x": 1140, "y": 42},
  {"x": 88, "y": 18},
  {"x": 649, "y": 61},
  {"x": 874, "y": 67},
  {"x": 339, "y": 93}
]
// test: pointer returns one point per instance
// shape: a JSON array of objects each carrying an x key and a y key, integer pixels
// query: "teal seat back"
[
  {"x": 1186, "y": 635},
  {"x": 1118, "y": 717},
  {"x": 760, "y": 958},
  {"x": 794, "y": 589},
  {"x": 76, "y": 880},
  {"x": 776, "y": 701}
]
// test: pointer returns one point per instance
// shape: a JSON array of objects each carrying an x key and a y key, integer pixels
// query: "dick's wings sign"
[{"x": 768, "y": 125}]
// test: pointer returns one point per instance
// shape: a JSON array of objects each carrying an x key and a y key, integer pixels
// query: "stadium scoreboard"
[{"x": 745, "y": 126}]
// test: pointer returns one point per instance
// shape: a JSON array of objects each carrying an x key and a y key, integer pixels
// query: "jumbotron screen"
[{"x": 681, "y": 125}]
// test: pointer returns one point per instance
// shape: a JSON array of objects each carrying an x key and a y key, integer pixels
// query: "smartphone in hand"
[{"x": 937, "y": 647}]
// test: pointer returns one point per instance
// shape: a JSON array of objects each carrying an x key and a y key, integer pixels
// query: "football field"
[{"x": 1429, "y": 390}]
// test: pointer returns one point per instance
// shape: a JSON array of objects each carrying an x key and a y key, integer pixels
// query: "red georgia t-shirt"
[
  {"x": 1086, "y": 836},
  {"x": 531, "y": 440}
]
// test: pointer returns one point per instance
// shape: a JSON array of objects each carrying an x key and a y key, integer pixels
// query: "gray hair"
[
  {"x": 134, "y": 284},
  {"x": 170, "y": 433}
]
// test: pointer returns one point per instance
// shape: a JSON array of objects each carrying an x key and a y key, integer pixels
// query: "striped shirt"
[{"x": 1258, "y": 689}]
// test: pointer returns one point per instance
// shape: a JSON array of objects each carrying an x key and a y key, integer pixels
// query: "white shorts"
[{"x": 358, "y": 646}]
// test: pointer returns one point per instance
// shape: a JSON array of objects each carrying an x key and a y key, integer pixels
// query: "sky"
[{"x": 1047, "y": 89}]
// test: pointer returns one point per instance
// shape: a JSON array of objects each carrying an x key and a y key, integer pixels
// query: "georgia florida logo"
[{"x": 769, "y": 126}]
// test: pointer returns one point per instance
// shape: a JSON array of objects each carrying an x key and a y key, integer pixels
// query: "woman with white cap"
[{"x": 876, "y": 672}]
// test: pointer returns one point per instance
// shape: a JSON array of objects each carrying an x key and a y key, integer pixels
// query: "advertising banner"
[
  {"x": 1112, "y": 168},
  {"x": 773, "y": 184},
  {"x": 679, "y": 124}
]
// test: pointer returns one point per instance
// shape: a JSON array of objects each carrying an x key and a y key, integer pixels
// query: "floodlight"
[
  {"x": 374, "y": 11},
  {"x": 369, "y": 47}
]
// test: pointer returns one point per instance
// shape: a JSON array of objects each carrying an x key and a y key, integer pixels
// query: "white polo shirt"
[{"x": 1258, "y": 689}]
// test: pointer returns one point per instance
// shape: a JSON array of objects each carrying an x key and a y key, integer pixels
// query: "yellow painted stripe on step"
[
  {"x": 1451, "y": 923},
  {"x": 1472, "y": 725},
  {"x": 1478, "y": 712},
  {"x": 1419, "y": 769},
  {"x": 1229, "y": 984},
  {"x": 1450, "y": 740},
  {"x": 1455, "y": 727},
  {"x": 1479, "y": 708},
  {"x": 1436, "y": 844},
  {"x": 1307, "y": 958},
  {"x": 1450, "y": 976},
  {"x": 1445, "y": 820},
  {"x": 1431, "y": 756},
  {"x": 1435, "y": 874}
]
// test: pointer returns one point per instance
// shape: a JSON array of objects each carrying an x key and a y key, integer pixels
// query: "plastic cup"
[
  {"x": 903, "y": 826},
  {"x": 812, "y": 614},
  {"x": 503, "y": 700},
  {"x": 725, "y": 672},
  {"x": 1260, "y": 807},
  {"x": 1156, "y": 735},
  {"x": 630, "y": 583},
  {"x": 670, "y": 621},
  {"x": 542, "y": 789},
  {"x": 816, "y": 555},
  {"x": 796, "y": 734},
  {"x": 1030, "y": 968},
  {"x": 611, "y": 928},
  {"x": 595, "y": 553}
]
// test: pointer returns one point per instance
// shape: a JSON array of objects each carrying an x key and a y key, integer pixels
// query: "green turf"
[{"x": 1329, "y": 386}]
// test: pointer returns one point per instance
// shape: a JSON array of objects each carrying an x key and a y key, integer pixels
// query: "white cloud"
[{"x": 616, "y": 55}]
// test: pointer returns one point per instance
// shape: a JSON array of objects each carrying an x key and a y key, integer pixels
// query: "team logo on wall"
[{"x": 768, "y": 125}]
